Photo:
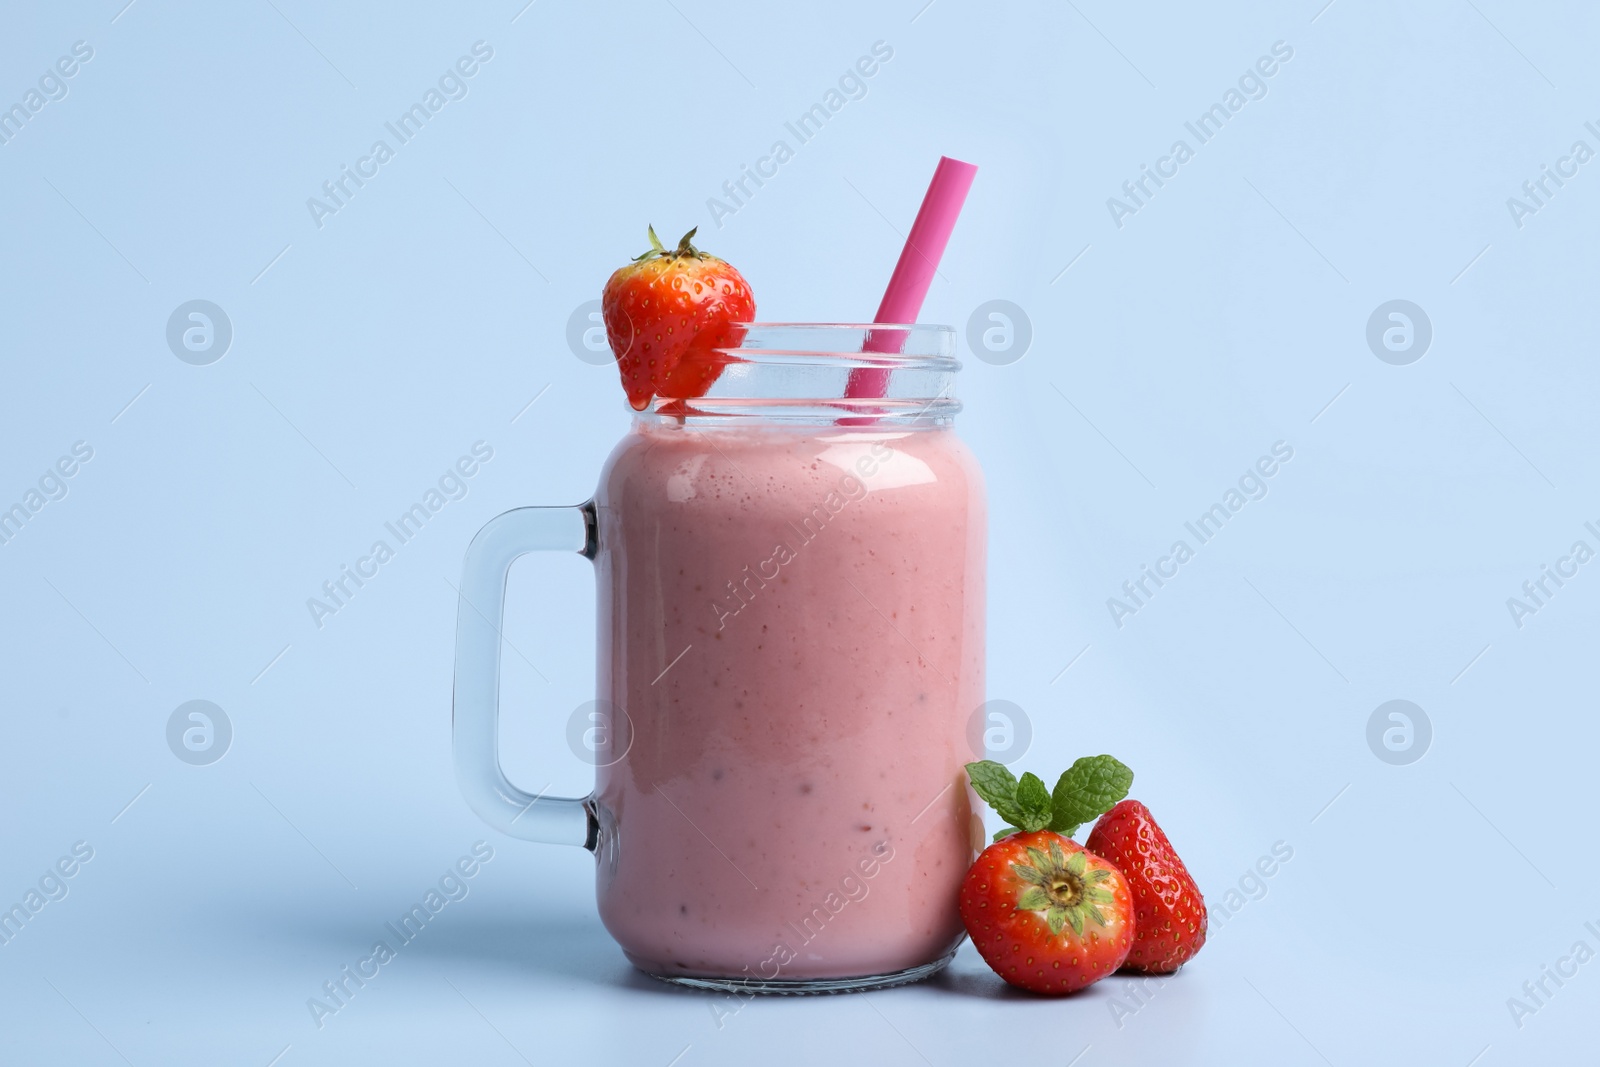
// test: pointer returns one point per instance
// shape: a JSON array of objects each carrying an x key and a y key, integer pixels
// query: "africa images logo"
[
  {"x": 452, "y": 85},
  {"x": 1252, "y": 85}
]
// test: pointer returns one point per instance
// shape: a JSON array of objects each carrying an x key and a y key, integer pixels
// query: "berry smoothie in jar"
[
  {"x": 792, "y": 620},
  {"x": 789, "y": 545}
]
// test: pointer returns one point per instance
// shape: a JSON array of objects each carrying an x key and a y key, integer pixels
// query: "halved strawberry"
[
  {"x": 666, "y": 315},
  {"x": 1169, "y": 912}
]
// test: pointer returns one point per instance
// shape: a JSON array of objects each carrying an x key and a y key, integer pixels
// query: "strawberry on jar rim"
[{"x": 667, "y": 314}]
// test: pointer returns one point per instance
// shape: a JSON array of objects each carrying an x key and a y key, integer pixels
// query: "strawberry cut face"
[{"x": 667, "y": 316}]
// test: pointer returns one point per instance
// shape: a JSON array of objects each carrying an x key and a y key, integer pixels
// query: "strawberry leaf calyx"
[
  {"x": 1084, "y": 792},
  {"x": 685, "y": 249},
  {"x": 1063, "y": 888}
]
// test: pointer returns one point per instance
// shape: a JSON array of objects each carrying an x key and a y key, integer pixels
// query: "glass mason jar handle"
[{"x": 476, "y": 727}]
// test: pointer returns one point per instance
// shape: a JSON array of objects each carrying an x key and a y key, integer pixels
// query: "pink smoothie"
[{"x": 793, "y": 621}]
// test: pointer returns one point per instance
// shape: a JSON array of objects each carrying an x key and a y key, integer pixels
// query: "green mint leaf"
[
  {"x": 998, "y": 787},
  {"x": 1033, "y": 803},
  {"x": 1087, "y": 790},
  {"x": 1004, "y": 831}
]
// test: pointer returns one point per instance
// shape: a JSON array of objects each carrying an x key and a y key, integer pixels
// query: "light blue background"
[{"x": 426, "y": 315}]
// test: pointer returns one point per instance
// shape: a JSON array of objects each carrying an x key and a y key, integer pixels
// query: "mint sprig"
[
  {"x": 1087, "y": 790},
  {"x": 995, "y": 783},
  {"x": 1084, "y": 792},
  {"x": 1033, "y": 800}
]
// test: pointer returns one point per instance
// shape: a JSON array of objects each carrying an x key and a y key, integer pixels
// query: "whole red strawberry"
[
  {"x": 666, "y": 315},
  {"x": 1169, "y": 913},
  {"x": 1046, "y": 914}
]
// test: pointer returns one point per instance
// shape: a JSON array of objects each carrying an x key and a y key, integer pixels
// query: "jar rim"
[
  {"x": 818, "y": 372},
  {"x": 930, "y": 326},
  {"x": 904, "y": 345}
]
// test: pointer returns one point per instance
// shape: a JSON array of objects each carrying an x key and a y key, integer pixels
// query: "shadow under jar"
[{"x": 791, "y": 649}]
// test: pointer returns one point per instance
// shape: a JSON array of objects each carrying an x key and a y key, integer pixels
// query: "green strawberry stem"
[{"x": 1092, "y": 786}]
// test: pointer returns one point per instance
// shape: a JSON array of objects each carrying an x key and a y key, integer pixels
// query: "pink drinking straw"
[{"x": 919, "y": 259}]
